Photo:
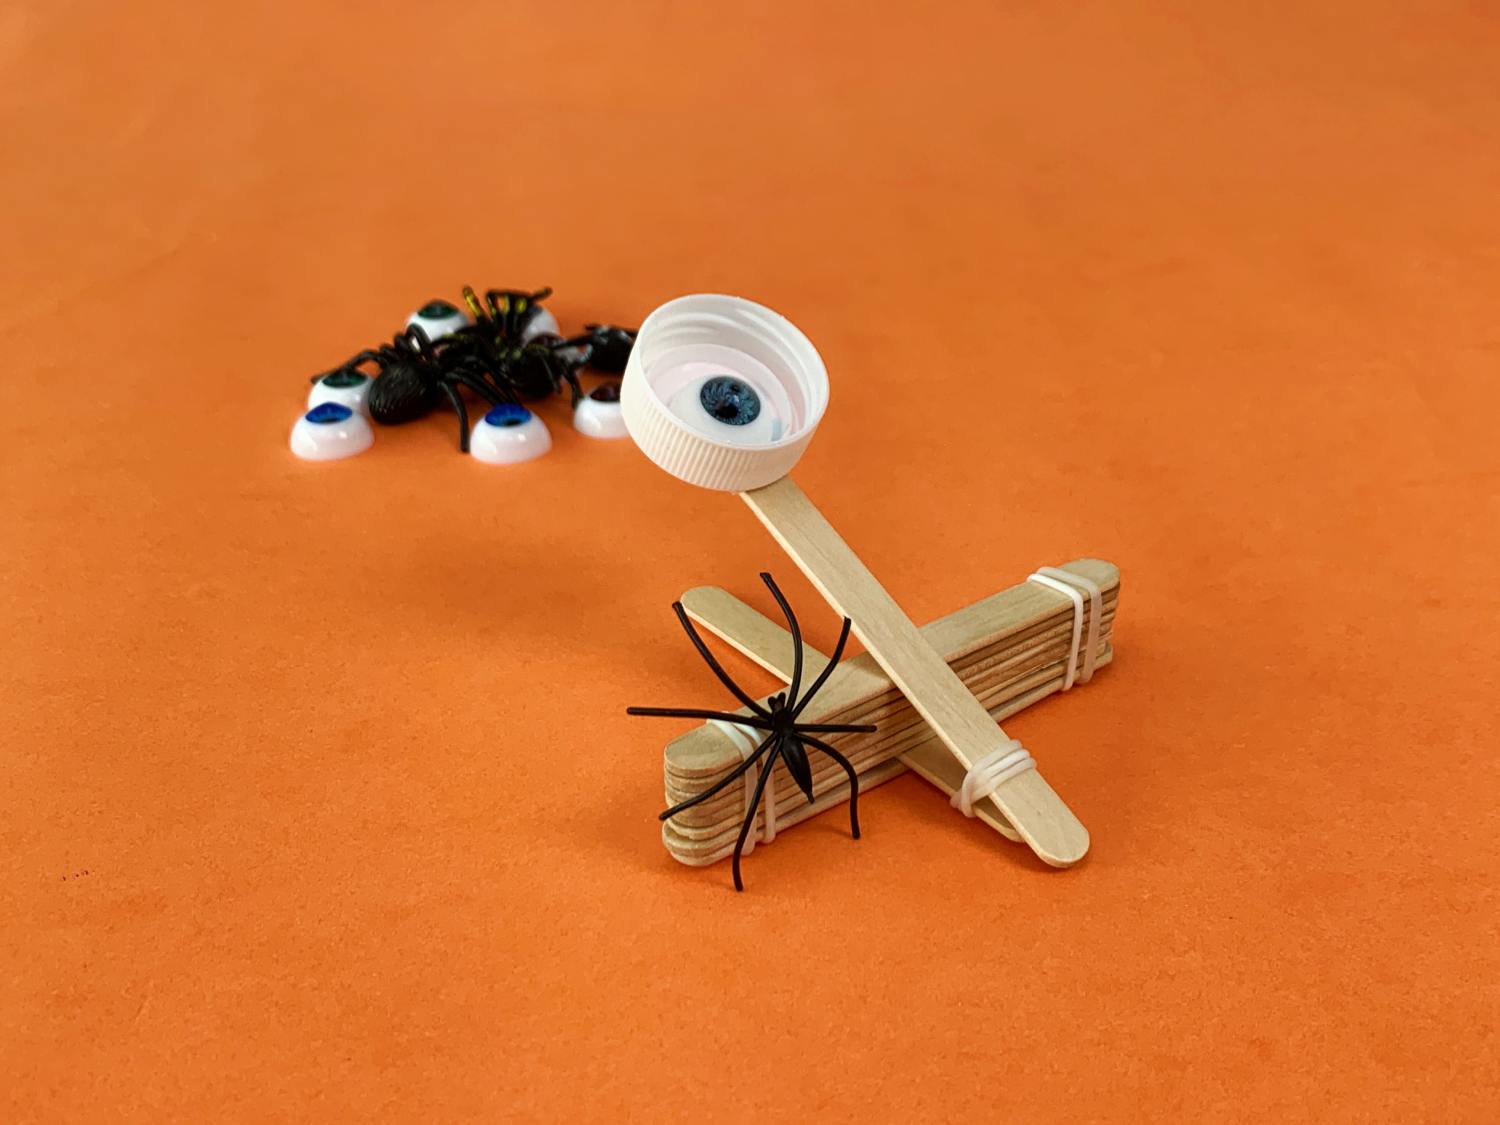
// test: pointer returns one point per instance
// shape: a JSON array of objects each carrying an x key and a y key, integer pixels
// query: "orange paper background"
[{"x": 319, "y": 798}]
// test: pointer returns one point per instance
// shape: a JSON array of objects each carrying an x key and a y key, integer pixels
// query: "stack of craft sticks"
[{"x": 1011, "y": 650}]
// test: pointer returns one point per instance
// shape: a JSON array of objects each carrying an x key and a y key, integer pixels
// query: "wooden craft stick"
[
  {"x": 1001, "y": 643},
  {"x": 1011, "y": 650},
  {"x": 1025, "y": 801},
  {"x": 770, "y": 646}
]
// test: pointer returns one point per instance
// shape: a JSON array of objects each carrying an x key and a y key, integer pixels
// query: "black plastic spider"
[
  {"x": 414, "y": 375},
  {"x": 531, "y": 366},
  {"x": 506, "y": 313},
  {"x": 607, "y": 347},
  {"x": 785, "y": 739}
]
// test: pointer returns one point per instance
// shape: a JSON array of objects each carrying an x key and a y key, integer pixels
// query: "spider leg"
[
  {"x": 760, "y": 788},
  {"x": 475, "y": 308},
  {"x": 833, "y": 662},
  {"x": 585, "y": 342},
  {"x": 791, "y": 620},
  {"x": 718, "y": 670},
  {"x": 499, "y": 313},
  {"x": 839, "y": 728},
  {"x": 531, "y": 298},
  {"x": 416, "y": 337},
  {"x": 853, "y": 781},
  {"x": 718, "y": 786},
  {"x": 570, "y": 373},
  {"x": 490, "y": 394},
  {"x": 463, "y": 415},
  {"x": 472, "y": 369},
  {"x": 696, "y": 713}
]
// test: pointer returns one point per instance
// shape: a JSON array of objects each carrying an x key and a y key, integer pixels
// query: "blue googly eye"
[
  {"x": 331, "y": 431},
  {"x": 327, "y": 413},
  {"x": 507, "y": 414},
  {"x": 730, "y": 400},
  {"x": 507, "y": 435}
]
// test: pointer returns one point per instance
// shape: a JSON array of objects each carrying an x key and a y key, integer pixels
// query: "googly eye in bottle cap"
[
  {"x": 346, "y": 387},
  {"x": 508, "y": 435},
  {"x": 438, "y": 318},
  {"x": 722, "y": 392},
  {"x": 331, "y": 431},
  {"x": 598, "y": 413}
]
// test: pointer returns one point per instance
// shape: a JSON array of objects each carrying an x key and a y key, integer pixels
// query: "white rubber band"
[
  {"x": 989, "y": 773},
  {"x": 746, "y": 745},
  {"x": 1075, "y": 586}
]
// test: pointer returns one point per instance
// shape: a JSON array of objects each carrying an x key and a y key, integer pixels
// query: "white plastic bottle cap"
[
  {"x": 345, "y": 387},
  {"x": 331, "y": 431},
  {"x": 722, "y": 393},
  {"x": 598, "y": 413},
  {"x": 438, "y": 318},
  {"x": 508, "y": 435}
]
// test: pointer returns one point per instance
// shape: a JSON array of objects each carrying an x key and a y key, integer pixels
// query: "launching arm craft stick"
[
  {"x": 1011, "y": 649},
  {"x": 726, "y": 394},
  {"x": 1025, "y": 799}
]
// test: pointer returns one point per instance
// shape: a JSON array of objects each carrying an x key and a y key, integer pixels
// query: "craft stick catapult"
[{"x": 725, "y": 394}]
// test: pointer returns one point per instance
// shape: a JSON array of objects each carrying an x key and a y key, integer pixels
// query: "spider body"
[
  {"x": 784, "y": 736},
  {"x": 531, "y": 368},
  {"x": 608, "y": 347},
  {"x": 414, "y": 376},
  {"x": 513, "y": 338},
  {"x": 511, "y": 314}
]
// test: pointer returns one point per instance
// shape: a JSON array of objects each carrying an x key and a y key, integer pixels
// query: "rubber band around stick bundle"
[
  {"x": 1010, "y": 760},
  {"x": 745, "y": 746},
  {"x": 1074, "y": 587}
]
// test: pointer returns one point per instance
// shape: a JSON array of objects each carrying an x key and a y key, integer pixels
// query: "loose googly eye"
[
  {"x": 542, "y": 323},
  {"x": 345, "y": 387},
  {"x": 331, "y": 431},
  {"x": 438, "y": 319},
  {"x": 599, "y": 415},
  {"x": 508, "y": 435}
]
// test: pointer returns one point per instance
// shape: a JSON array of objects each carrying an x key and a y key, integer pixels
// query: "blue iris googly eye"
[
  {"x": 507, "y": 414},
  {"x": 327, "y": 413},
  {"x": 330, "y": 431},
  {"x": 509, "y": 434},
  {"x": 730, "y": 400}
]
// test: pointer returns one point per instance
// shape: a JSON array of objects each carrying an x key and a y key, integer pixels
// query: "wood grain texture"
[
  {"x": 1026, "y": 801},
  {"x": 1010, "y": 649},
  {"x": 770, "y": 646}
]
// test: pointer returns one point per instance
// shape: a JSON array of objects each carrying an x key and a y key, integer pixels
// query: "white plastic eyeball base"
[
  {"x": 346, "y": 388},
  {"x": 541, "y": 323},
  {"x": 331, "y": 432},
  {"x": 598, "y": 415},
  {"x": 722, "y": 393},
  {"x": 438, "y": 319},
  {"x": 508, "y": 435}
]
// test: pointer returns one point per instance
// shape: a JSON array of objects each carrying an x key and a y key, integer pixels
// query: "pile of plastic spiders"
[{"x": 502, "y": 352}]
